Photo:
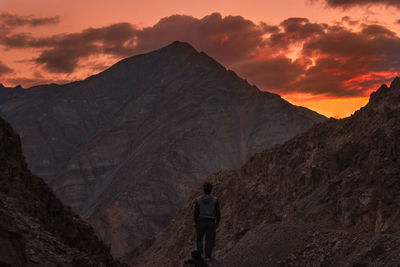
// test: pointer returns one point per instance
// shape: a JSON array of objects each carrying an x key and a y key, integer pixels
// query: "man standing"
[{"x": 206, "y": 218}]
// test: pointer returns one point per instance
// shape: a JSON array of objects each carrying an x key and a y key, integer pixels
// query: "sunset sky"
[{"x": 327, "y": 55}]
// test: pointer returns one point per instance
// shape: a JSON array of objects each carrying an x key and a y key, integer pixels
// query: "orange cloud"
[
  {"x": 295, "y": 57},
  {"x": 221, "y": 38}
]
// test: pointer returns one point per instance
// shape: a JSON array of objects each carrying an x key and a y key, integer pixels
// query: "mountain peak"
[
  {"x": 172, "y": 54},
  {"x": 178, "y": 43},
  {"x": 179, "y": 46}
]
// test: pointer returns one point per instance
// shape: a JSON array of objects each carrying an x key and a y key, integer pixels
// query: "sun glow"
[{"x": 330, "y": 107}]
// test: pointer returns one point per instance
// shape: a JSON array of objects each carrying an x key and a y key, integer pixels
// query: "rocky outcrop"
[
  {"x": 128, "y": 146},
  {"x": 328, "y": 197},
  {"x": 35, "y": 228}
]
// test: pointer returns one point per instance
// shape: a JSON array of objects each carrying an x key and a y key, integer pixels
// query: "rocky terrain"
[
  {"x": 127, "y": 147},
  {"x": 328, "y": 197},
  {"x": 36, "y": 229}
]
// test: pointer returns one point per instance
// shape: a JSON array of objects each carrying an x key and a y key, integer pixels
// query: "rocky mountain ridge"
[
  {"x": 126, "y": 147},
  {"x": 36, "y": 229},
  {"x": 328, "y": 197}
]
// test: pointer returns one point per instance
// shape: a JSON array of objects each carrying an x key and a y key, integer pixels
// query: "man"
[{"x": 206, "y": 218}]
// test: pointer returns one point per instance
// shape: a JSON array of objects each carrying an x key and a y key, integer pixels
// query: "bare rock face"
[
  {"x": 328, "y": 197},
  {"x": 36, "y": 229},
  {"x": 128, "y": 146}
]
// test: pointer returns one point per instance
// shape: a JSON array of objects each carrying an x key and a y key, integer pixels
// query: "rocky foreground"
[
  {"x": 328, "y": 197},
  {"x": 36, "y": 229}
]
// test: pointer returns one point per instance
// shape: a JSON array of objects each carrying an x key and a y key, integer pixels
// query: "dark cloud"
[
  {"x": 65, "y": 51},
  {"x": 335, "y": 61},
  {"x": 11, "y": 21},
  {"x": 295, "y": 30},
  {"x": 269, "y": 28},
  {"x": 332, "y": 60},
  {"x": 350, "y": 21},
  {"x": 15, "y": 20},
  {"x": 279, "y": 72},
  {"x": 343, "y": 55},
  {"x": 228, "y": 39},
  {"x": 64, "y": 59},
  {"x": 375, "y": 31},
  {"x": 4, "y": 69},
  {"x": 353, "y": 3},
  {"x": 372, "y": 42},
  {"x": 62, "y": 53}
]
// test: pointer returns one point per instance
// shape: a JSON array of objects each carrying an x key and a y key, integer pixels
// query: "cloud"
[
  {"x": 10, "y": 22},
  {"x": 350, "y": 21},
  {"x": 334, "y": 61},
  {"x": 277, "y": 73},
  {"x": 296, "y": 55},
  {"x": 14, "y": 20},
  {"x": 348, "y": 62},
  {"x": 352, "y": 3},
  {"x": 227, "y": 39},
  {"x": 295, "y": 30},
  {"x": 4, "y": 69},
  {"x": 62, "y": 53}
]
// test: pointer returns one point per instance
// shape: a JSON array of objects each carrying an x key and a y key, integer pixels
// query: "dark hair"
[{"x": 207, "y": 188}]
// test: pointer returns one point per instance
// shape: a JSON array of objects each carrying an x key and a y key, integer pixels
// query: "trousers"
[{"x": 206, "y": 228}]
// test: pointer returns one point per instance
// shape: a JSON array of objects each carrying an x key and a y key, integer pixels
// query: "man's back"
[{"x": 207, "y": 204}]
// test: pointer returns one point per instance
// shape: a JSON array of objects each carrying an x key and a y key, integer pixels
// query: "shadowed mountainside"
[
  {"x": 328, "y": 197},
  {"x": 35, "y": 228},
  {"x": 126, "y": 148}
]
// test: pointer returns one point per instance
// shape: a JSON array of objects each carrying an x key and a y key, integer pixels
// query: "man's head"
[{"x": 207, "y": 188}]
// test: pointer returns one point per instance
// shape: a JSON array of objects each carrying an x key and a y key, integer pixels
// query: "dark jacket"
[{"x": 207, "y": 207}]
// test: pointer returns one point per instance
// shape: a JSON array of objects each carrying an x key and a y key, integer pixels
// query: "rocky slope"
[
  {"x": 128, "y": 146},
  {"x": 328, "y": 197},
  {"x": 35, "y": 228}
]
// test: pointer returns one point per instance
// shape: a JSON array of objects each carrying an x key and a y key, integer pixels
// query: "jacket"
[{"x": 207, "y": 207}]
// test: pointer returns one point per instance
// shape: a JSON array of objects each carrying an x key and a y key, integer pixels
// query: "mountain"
[
  {"x": 327, "y": 197},
  {"x": 35, "y": 228},
  {"x": 127, "y": 147}
]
